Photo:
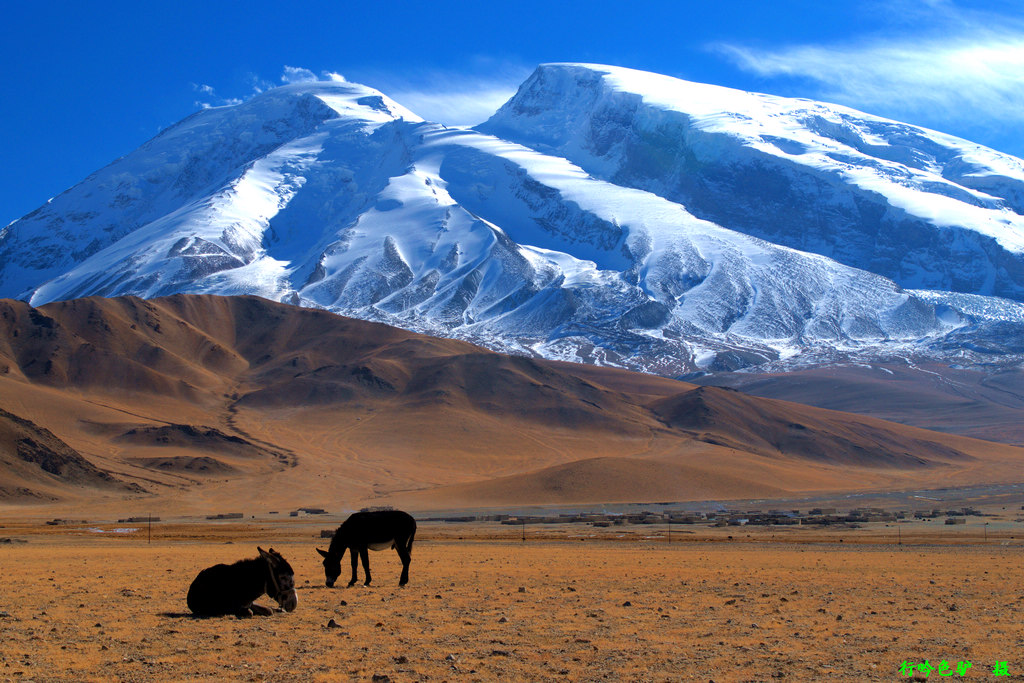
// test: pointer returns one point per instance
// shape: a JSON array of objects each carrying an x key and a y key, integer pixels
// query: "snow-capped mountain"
[
  {"x": 927, "y": 210},
  {"x": 602, "y": 214}
]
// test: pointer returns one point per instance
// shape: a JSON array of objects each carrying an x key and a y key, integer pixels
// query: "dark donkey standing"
[
  {"x": 231, "y": 589},
  {"x": 376, "y": 530}
]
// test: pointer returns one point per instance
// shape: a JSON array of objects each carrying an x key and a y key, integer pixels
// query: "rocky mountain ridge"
[{"x": 602, "y": 215}]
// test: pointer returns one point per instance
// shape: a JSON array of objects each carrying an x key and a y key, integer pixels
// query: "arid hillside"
[
  {"x": 199, "y": 404},
  {"x": 947, "y": 398}
]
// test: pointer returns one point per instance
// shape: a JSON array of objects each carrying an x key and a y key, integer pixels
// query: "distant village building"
[{"x": 226, "y": 515}]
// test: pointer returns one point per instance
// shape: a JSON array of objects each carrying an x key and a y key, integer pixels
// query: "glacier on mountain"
[
  {"x": 602, "y": 214},
  {"x": 924, "y": 209}
]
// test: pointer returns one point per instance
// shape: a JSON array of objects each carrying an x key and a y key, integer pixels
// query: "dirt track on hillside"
[
  {"x": 202, "y": 405},
  {"x": 77, "y": 607}
]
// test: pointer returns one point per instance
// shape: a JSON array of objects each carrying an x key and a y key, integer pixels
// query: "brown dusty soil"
[
  {"x": 202, "y": 405},
  {"x": 567, "y": 604}
]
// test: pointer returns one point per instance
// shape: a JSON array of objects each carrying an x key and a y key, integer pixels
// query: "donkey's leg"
[
  {"x": 406, "y": 557},
  {"x": 365, "y": 554},
  {"x": 355, "y": 565}
]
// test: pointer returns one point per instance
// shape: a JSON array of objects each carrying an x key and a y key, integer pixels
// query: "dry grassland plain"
[{"x": 569, "y": 604}]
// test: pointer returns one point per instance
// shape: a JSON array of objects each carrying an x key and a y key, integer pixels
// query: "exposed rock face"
[
  {"x": 32, "y": 453},
  {"x": 602, "y": 215}
]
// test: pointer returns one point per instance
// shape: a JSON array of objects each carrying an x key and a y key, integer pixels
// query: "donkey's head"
[
  {"x": 280, "y": 579},
  {"x": 332, "y": 564}
]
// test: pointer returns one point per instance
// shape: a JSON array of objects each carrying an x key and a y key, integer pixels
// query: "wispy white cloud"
[
  {"x": 449, "y": 97},
  {"x": 210, "y": 98},
  {"x": 460, "y": 104},
  {"x": 295, "y": 74},
  {"x": 982, "y": 72},
  {"x": 456, "y": 98},
  {"x": 257, "y": 84},
  {"x": 951, "y": 65}
]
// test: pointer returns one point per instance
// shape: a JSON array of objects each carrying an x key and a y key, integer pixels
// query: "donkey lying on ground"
[
  {"x": 231, "y": 589},
  {"x": 377, "y": 530}
]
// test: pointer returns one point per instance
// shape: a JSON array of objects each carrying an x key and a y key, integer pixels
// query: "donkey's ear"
[
  {"x": 324, "y": 553},
  {"x": 264, "y": 553}
]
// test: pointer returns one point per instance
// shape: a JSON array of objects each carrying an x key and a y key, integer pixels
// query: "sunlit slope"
[
  {"x": 602, "y": 215},
  {"x": 208, "y": 402}
]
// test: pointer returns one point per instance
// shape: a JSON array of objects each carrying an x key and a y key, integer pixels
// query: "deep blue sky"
[{"x": 84, "y": 85}]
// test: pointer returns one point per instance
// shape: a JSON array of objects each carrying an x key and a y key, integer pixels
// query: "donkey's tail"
[{"x": 408, "y": 545}]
